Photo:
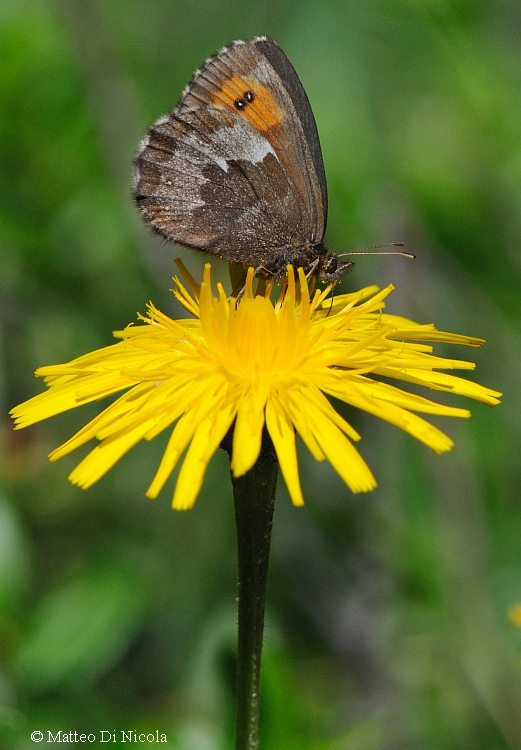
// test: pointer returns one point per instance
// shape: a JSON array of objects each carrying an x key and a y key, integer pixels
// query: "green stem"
[{"x": 254, "y": 495}]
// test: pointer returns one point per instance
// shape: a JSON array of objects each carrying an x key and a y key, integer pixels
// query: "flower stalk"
[{"x": 254, "y": 497}]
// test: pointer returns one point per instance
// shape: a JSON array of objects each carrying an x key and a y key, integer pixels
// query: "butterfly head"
[{"x": 328, "y": 268}]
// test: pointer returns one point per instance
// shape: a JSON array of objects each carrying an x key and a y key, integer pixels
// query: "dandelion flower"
[{"x": 249, "y": 365}]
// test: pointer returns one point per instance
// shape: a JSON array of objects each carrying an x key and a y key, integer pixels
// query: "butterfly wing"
[
  {"x": 236, "y": 169},
  {"x": 280, "y": 111}
]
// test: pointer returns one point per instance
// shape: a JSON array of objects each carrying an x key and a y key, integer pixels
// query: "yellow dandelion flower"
[{"x": 251, "y": 365}]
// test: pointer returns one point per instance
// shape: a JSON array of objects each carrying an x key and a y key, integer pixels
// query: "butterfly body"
[{"x": 236, "y": 169}]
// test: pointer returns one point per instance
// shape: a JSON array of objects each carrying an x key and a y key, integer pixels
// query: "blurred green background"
[{"x": 387, "y": 613}]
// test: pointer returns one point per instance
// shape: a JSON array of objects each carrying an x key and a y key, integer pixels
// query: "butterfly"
[{"x": 236, "y": 169}]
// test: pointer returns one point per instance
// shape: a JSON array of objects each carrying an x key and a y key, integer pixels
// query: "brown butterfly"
[{"x": 236, "y": 169}]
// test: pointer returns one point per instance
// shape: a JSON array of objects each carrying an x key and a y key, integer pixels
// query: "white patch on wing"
[
  {"x": 242, "y": 142},
  {"x": 239, "y": 141},
  {"x": 207, "y": 150}
]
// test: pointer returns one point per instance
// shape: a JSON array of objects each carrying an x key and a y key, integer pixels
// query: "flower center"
[{"x": 255, "y": 338}]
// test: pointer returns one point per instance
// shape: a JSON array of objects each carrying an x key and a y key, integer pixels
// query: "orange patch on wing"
[{"x": 263, "y": 112}]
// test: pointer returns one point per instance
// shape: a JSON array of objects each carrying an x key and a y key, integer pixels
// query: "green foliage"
[{"x": 387, "y": 613}]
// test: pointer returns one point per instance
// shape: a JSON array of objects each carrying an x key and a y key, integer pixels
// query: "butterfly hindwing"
[{"x": 190, "y": 192}]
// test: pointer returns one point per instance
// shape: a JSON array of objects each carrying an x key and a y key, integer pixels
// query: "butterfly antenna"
[{"x": 368, "y": 250}]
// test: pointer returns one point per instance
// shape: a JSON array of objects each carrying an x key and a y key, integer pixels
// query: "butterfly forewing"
[{"x": 280, "y": 111}]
